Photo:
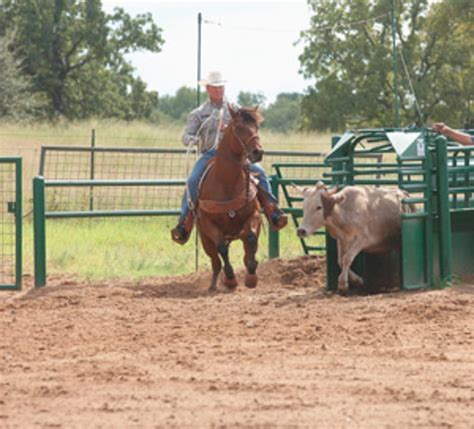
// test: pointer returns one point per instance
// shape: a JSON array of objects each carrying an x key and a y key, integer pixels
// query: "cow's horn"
[{"x": 298, "y": 188}]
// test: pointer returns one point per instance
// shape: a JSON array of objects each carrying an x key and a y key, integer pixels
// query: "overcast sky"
[{"x": 251, "y": 42}]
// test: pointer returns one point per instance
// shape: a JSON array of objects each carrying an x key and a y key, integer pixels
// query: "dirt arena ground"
[{"x": 164, "y": 353}]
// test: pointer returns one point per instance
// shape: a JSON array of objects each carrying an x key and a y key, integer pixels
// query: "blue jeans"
[{"x": 197, "y": 172}]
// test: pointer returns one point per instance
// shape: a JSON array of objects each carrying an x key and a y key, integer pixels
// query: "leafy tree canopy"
[
  {"x": 16, "y": 101},
  {"x": 74, "y": 53},
  {"x": 178, "y": 106},
  {"x": 249, "y": 99},
  {"x": 348, "y": 53},
  {"x": 284, "y": 115}
]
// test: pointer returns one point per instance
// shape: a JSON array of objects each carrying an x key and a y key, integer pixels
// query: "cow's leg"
[
  {"x": 229, "y": 279},
  {"x": 348, "y": 254},
  {"x": 250, "y": 240},
  {"x": 354, "y": 279},
  {"x": 211, "y": 250}
]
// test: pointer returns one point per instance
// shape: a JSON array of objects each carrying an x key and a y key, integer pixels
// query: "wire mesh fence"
[
  {"x": 169, "y": 163},
  {"x": 10, "y": 230},
  {"x": 79, "y": 163},
  {"x": 7, "y": 224}
]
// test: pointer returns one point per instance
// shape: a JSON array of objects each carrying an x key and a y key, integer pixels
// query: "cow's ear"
[
  {"x": 328, "y": 202},
  {"x": 320, "y": 185},
  {"x": 339, "y": 198}
]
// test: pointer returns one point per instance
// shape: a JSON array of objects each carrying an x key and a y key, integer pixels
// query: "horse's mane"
[{"x": 252, "y": 116}]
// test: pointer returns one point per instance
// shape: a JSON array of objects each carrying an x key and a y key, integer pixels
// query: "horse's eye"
[{"x": 319, "y": 208}]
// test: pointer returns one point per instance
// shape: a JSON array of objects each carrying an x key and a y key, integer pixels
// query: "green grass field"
[
  {"x": 130, "y": 248},
  {"x": 99, "y": 249}
]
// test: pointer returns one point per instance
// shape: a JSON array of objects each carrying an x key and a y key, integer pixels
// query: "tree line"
[
  {"x": 66, "y": 58},
  {"x": 283, "y": 115}
]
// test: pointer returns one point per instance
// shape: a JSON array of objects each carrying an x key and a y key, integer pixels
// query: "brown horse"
[{"x": 228, "y": 208}]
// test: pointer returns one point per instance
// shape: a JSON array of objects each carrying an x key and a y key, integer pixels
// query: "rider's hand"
[
  {"x": 193, "y": 141},
  {"x": 440, "y": 127}
]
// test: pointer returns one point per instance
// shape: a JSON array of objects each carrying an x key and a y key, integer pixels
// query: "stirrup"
[
  {"x": 278, "y": 220},
  {"x": 179, "y": 234}
]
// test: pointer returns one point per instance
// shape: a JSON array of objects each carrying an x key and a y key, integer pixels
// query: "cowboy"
[
  {"x": 205, "y": 127},
  {"x": 458, "y": 136}
]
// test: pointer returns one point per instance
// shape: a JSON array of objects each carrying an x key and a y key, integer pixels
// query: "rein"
[
  {"x": 242, "y": 144},
  {"x": 249, "y": 192},
  {"x": 230, "y": 206}
]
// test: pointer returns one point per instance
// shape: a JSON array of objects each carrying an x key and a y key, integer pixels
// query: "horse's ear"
[
  {"x": 258, "y": 115},
  {"x": 233, "y": 112}
]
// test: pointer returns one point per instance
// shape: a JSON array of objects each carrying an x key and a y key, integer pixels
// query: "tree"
[
  {"x": 249, "y": 99},
  {"x": 68, "y": 45},
  {"x": 15, "y": 99},
  {"x": 348, "y": 53},
  {"x": 284, "y": 114},
  {"x": 178, "y": 106}
]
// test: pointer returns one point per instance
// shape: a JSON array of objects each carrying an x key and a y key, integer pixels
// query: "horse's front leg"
[
  {"x": 229, "y": 280},
  {"x": 217, "y": 242},
  {"x": 250, "y": 239},
  {"x": 211, "y": 250}
]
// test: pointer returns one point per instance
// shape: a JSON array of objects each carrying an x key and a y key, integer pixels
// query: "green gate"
[{"x": 11, "y": 226}]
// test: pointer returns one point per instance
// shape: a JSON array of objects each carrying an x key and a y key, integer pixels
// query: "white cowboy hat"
[{"x": 214, "y": 78}]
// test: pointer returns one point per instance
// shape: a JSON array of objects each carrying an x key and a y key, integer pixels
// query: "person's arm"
[
  {"x": 192, "y": 127},
  {"x": 463, "y": 138}
]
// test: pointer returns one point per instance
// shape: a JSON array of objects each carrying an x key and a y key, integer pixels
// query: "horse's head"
[{"x": 244, "y": 127}]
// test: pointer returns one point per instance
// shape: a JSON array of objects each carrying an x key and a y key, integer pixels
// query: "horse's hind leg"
[
  {"x": 229, "y": 280},
  {"x": 211, "y": 250}
]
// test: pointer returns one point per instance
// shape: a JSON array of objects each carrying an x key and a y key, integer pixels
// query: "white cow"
[{"x": 360, "y": 219}]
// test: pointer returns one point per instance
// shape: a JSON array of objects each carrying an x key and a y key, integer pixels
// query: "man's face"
[{"x": 216, "y": 93}]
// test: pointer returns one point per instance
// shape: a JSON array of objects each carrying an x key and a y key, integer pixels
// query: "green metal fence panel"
[
  {"x": 414, "y": 257},
  {"x": 304, "y": 174},
  {"x": 402, "y": 162},
  {"x": 11, "y": 223},
  {"x": 63, "y": 163},
  {"x": 444, "y": 216}
]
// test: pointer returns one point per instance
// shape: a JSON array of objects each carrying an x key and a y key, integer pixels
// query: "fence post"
[
  {"x": 19, "y": 222},
  {"x": 273, "y": 236},
  {"x": 332, "y": 267},
  {"x": 39, "y": 231},
  {"x": 444, "y": 216},
  {"x": 92, "y": 170}
]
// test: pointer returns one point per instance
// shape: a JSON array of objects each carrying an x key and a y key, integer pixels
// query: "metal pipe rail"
[{"x": 40, "y": 214}]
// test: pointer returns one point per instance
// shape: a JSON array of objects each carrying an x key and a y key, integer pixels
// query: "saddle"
[{"x": 247, "y": 195}]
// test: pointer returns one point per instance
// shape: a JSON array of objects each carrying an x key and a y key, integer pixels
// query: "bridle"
[{"x": 254, "y": 136}]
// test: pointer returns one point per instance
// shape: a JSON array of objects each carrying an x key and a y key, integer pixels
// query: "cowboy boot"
[
  {"x": 181, "y": 233},
  {"x": 276, "y": 218}
]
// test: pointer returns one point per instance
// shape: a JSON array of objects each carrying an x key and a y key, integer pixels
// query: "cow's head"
[{"x": 318, "y": 203}]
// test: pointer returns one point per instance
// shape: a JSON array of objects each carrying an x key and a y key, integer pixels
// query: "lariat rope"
[{"x": 197, "y": 140}]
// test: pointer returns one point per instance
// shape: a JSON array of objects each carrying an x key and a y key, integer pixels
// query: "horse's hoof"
[
  {"x": 251, "y": 280},
  {"x": 212, "y": 289},
  {"x": 230, "y": 283}
]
